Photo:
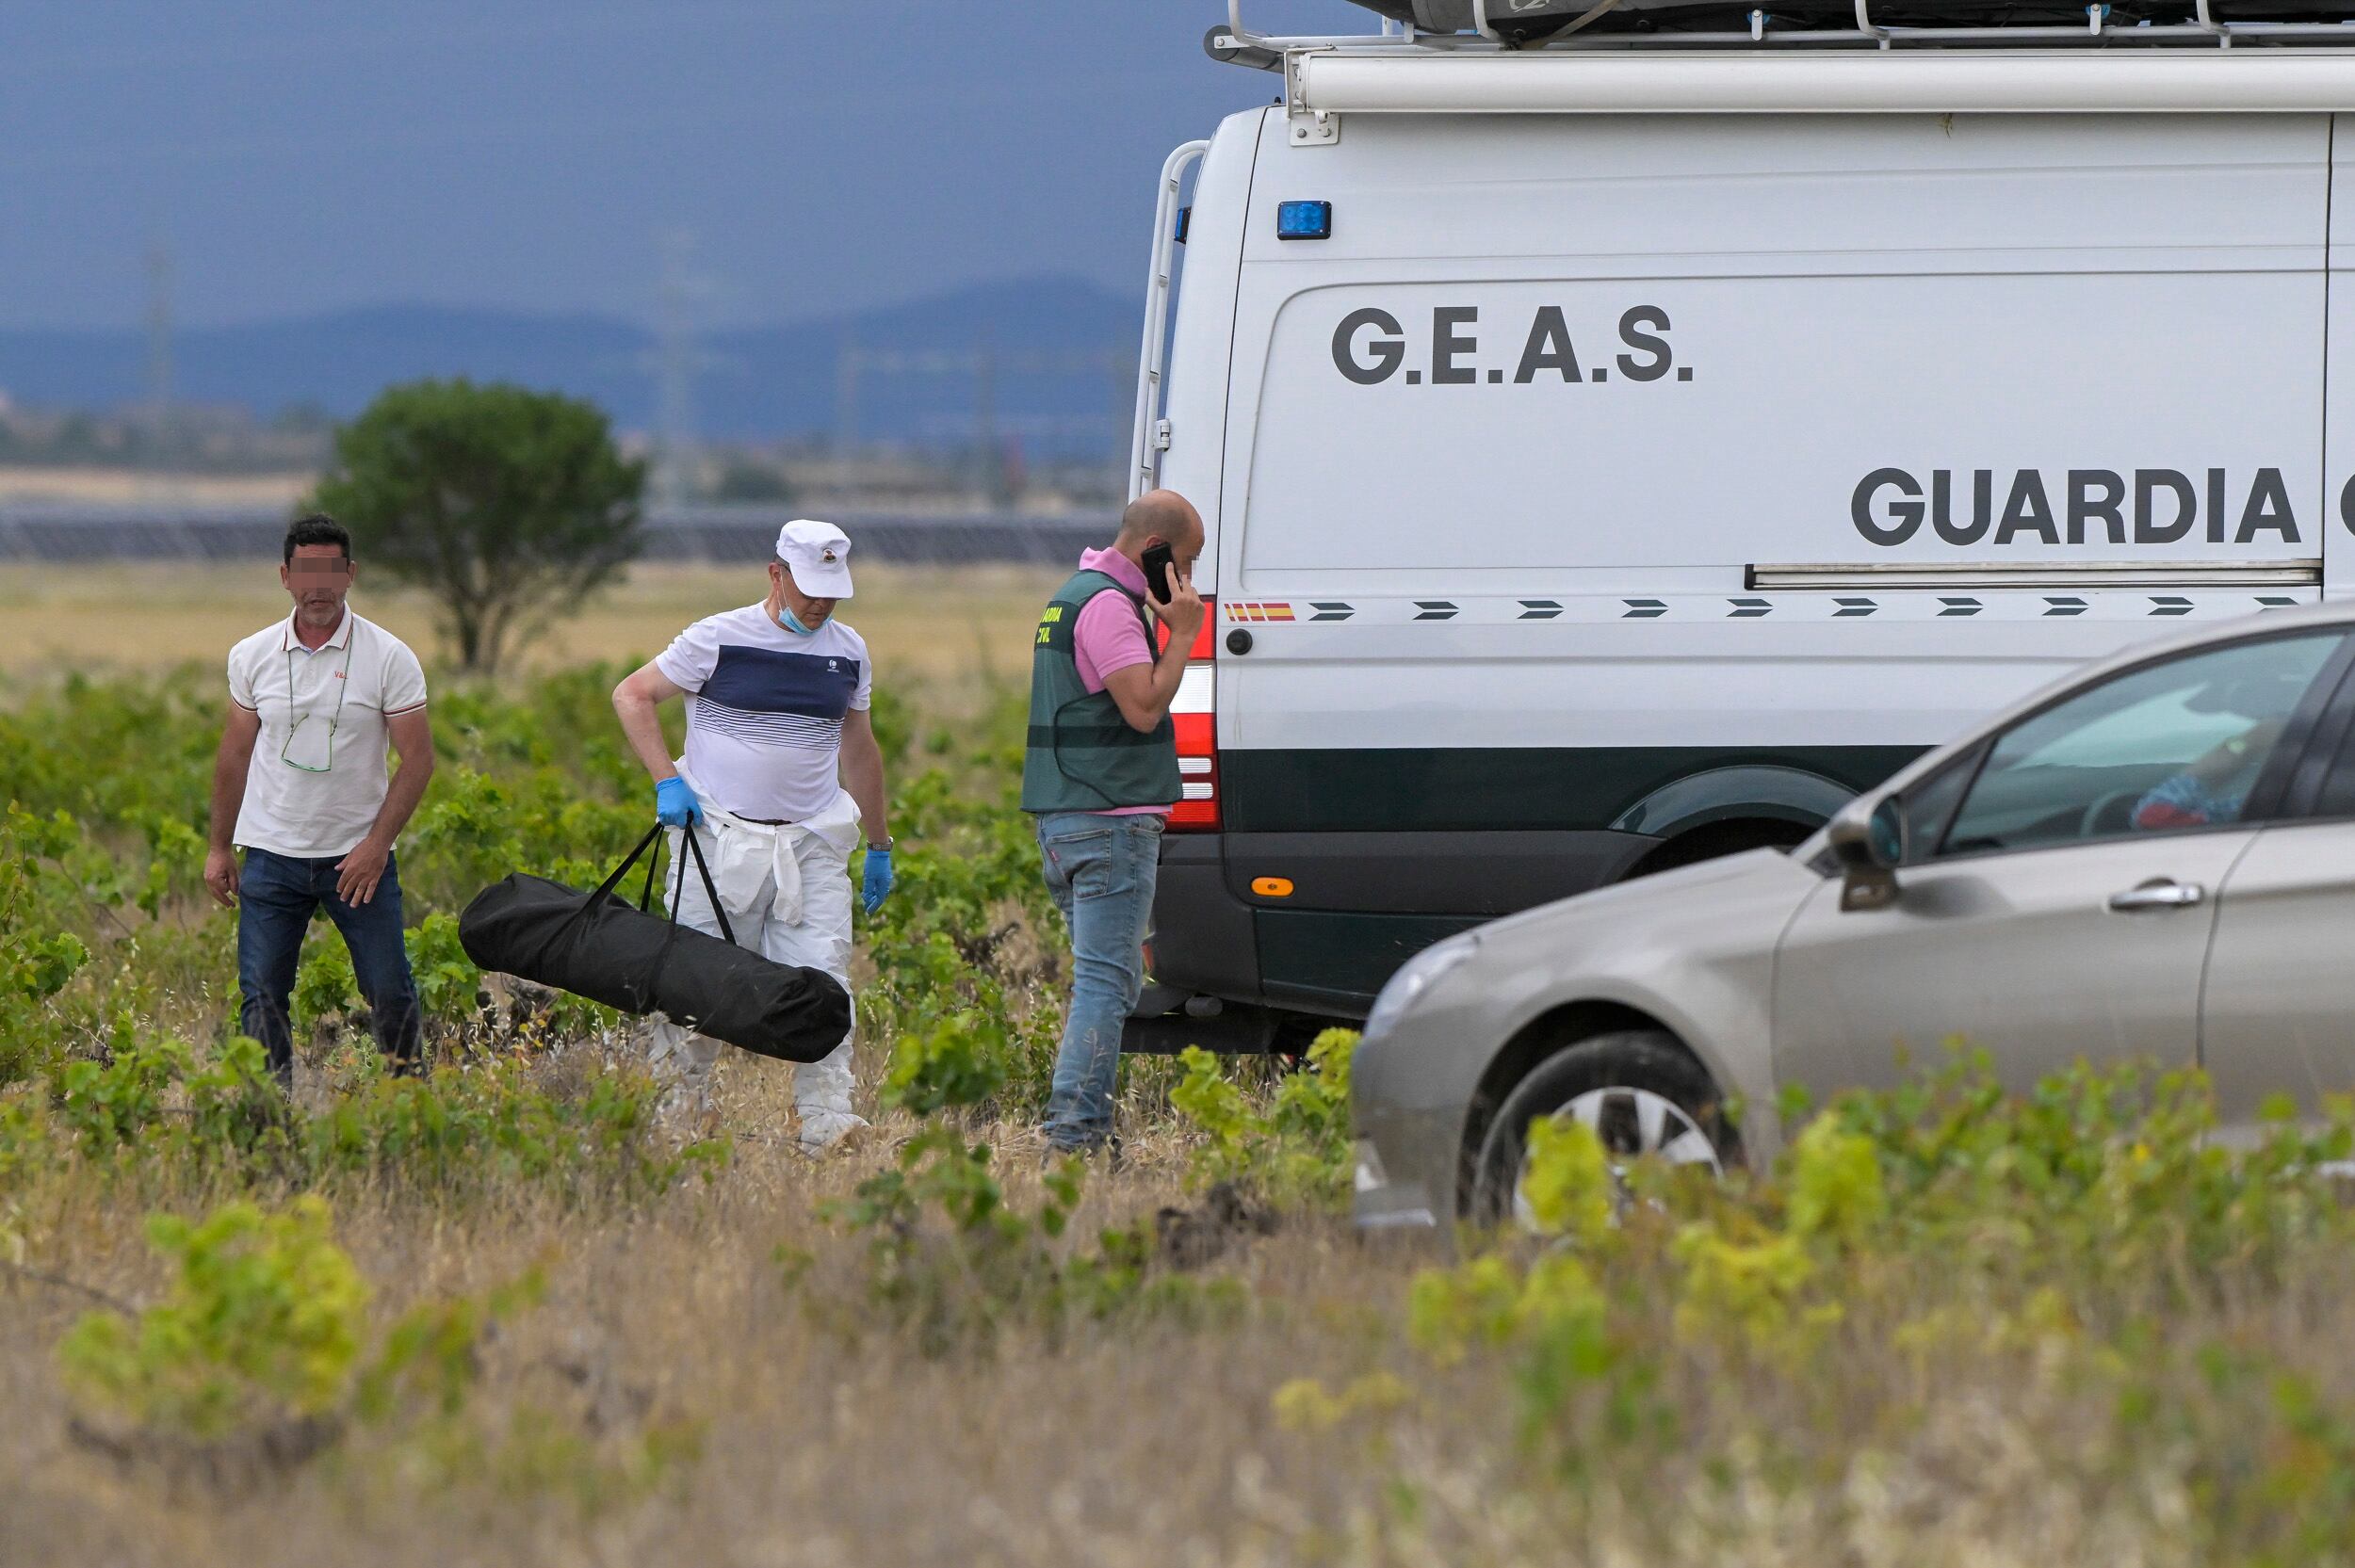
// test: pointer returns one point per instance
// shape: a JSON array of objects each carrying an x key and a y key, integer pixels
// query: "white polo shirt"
[{"x": 324, "y": 708}]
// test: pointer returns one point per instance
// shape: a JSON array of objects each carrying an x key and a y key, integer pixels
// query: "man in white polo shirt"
[
  {"x": 300, "y": 785},
  {"x": 780, "y": 768}
]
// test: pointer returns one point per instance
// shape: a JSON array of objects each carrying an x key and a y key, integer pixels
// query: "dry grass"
[
  {"x": 141, "y": 618},
  {"x": 821, "y": 1441},
  {"x": 823, "y": 1445},
  {"x": 1941, "y": 1422},
  {"x": 101, "y": 486},
  {"x": 823, "y": 1436}
]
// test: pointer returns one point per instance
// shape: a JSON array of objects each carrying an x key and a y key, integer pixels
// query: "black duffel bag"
[{"x": 595, "y": 945}]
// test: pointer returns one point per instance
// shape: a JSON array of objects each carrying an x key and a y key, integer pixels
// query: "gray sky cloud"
[{"x": 825, "y": 153}]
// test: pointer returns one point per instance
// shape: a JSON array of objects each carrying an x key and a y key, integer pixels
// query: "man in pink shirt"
[{"x": 1100, "y": 775}]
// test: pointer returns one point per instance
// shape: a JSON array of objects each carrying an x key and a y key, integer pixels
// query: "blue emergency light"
[{"x": 1303, "y": 220}]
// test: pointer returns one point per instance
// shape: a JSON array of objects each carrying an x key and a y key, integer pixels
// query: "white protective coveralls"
[{"x": 786, "y": 890}]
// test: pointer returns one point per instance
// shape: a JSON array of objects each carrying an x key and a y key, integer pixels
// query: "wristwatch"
[{"x": 885, "y": 845}]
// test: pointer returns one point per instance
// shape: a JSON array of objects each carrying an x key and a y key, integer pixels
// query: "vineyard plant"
[{"x": 507, "y": 1313}]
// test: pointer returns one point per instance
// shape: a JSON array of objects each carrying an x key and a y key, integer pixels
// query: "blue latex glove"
[
  {"x": 674, "y": 804},
  {"x": 876, "y": 884}
]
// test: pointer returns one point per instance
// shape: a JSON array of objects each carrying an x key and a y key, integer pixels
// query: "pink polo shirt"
[{"x": 1109, "y": 638}]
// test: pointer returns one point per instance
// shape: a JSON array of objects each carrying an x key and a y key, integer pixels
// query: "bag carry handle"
[
  {"x": 710, "y": 891},
  {"x": 645, "y": 890},
  {"x": 604, "y": 888}
]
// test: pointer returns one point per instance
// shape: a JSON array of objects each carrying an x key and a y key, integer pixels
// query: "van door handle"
[{"x": 2159, "y": 893}]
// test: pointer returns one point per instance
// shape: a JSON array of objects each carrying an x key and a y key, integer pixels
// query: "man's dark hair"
[{"x": 317, "y": 528}]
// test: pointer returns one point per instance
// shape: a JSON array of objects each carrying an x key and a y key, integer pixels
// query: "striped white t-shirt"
[{"x": 764, "y": 717}]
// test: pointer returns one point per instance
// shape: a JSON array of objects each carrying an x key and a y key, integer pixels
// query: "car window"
[
  {"x": 2337, "y": 795},
  {"x": 2166, "y": 747},
  {"x": 1929, "y": 804}
]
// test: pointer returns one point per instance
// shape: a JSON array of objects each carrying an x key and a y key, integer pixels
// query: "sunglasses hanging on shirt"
[{"x": 311, "y": 740}]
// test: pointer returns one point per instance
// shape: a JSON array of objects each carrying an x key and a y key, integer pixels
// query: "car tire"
[{"x": 1619, "y": 1083}]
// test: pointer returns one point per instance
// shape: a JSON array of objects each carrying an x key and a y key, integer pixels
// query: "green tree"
[{"x": 509, "y": 504}]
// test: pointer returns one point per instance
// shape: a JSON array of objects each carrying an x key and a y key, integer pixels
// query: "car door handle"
[{"x": 2160, "y": 894}]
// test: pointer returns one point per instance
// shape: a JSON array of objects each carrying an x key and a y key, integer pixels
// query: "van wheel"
[
  {"x": 1718, "y": 839},
  {"x": 1641, "y": 1092}
]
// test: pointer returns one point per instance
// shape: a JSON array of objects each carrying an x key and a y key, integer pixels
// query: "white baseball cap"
[{"x": 820, "y": 554}]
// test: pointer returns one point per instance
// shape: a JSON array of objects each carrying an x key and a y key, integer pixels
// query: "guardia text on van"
[{"x": 2078, "y": 506}]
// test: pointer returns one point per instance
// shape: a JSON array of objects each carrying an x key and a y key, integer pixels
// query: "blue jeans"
[
  {"x": 1101, "y": 870},
  {"x": 277, "y": 894}
]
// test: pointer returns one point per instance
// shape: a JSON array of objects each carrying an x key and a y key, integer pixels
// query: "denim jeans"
[
  {"x": 1101, "y": 870},
  {"x": 277, "y": 894}
]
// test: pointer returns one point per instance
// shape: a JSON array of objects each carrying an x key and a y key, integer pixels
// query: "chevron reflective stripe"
[{"x": 1795, "y": 609}]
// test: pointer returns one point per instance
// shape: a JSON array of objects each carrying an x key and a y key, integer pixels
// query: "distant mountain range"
[{"x": 1060, "y": 353}]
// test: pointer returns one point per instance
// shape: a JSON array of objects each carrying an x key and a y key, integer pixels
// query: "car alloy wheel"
[
  {"x": 1640, "y": 1090},
  {"x": 1632, "y": 1123}
]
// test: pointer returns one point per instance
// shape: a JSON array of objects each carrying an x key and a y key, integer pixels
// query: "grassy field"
[
  {"x": 508, "y": 1317},
  {"x": 127, "y": 617}
]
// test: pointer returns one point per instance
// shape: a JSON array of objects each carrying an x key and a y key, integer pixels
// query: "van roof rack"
[
  {"x": 1606, "y": 25},
  {"x": 1869, "y": 67}
]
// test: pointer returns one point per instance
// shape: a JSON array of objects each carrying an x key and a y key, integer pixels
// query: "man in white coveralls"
[{"x": 781, "y": 771}]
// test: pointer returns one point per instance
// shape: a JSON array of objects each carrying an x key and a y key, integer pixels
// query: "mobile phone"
[{"x": 1159, "y": 558}]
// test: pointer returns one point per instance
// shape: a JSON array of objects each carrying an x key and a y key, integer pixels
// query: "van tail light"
[{"x": 1194, "y": 713}]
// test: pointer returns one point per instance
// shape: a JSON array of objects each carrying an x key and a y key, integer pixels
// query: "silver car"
[{"x": 2152, "y": 859}]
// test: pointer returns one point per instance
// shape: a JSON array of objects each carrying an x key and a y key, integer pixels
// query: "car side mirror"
[{"x": 1868, "y": 839}]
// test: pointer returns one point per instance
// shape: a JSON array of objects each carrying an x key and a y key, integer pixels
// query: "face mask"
[{"x": 787, "y": 619}]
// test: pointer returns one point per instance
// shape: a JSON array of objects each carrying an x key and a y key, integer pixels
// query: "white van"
[{"x": 1618, "y": 456}]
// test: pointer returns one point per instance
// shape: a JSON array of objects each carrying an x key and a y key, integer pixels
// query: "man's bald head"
[{"x": 1163, "y": 516}]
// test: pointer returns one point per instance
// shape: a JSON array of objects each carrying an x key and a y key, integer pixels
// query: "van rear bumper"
[
  {"x": 1237, "y": 971},
  {"x": 1204, "y": 985}
]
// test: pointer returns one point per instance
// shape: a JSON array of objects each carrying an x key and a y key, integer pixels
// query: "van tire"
[
  {"x": 1647, "y": 1061},
  {"x": 1718, "y": 839}
]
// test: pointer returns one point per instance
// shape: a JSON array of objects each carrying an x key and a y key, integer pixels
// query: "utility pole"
[
  {"x": 991, "y": 466},
  {"x": 159, "y": 328},
  {"x": 845, "y": 404},
  {"x": 1121, "y": 373},
  {"x": 674, "y": 373},
  {"x": 161, "y": 425},
  {"x": 989, "y": 460}
]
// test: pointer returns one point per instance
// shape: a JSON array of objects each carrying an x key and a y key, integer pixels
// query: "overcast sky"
[{"x": 296, "y": 156}]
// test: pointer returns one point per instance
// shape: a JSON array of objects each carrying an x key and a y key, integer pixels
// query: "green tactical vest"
[{"x": 1082, "y": 754}]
